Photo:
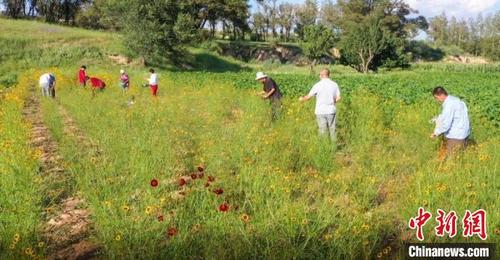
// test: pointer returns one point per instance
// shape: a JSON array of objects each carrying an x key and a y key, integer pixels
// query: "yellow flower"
[
  {"x": 28, "y": 251},
  {"x": 17, "y": 237},
  {"x": 366, "y": 226},
  {"x": 483, "y": 158},
  {"x": 305, "y": 222},
  {"x": 148, "y": 210},
  {"x": 245, "y": 218},
  {"x": 12, "y": 246},
  {"x": 126, "y": 208},
  {"x": 195, "y": 228},
  {"x": 41, "y": 244},
  {"x": 118, "y": 237}
]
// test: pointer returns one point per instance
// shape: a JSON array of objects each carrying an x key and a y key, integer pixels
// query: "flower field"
[{"x": 201, "y": 172}]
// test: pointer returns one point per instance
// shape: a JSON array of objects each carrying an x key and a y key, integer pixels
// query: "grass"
[
  {"x": 44, "y": 45},
  {"x": 19, "y": 182},
  {"x": 290, "y": 193},
  {"x": 298, "y": 193}
]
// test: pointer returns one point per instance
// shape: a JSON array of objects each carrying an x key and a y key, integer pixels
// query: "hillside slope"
[{"x": 29, "y": 44}]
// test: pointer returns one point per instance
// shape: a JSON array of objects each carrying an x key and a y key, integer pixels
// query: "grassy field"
[{"x": 289, "y": 192}]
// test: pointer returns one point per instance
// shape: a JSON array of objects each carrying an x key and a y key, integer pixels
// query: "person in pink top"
[{"x": 124, "y": 81}]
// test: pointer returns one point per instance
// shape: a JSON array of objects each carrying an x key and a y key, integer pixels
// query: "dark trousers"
[
  {"x": 454, "y": 145},
  {"x": 275, "y": 109}
]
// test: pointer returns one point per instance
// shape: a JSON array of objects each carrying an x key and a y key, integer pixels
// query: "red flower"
[
  {"x": 224, "y": 207},
  {"x": 218, "y": 191},
  {"x": 171, "y": 232},
  {"x": 200, "y": 168},
  {"x": 194, "y": 176},
  {"x": 207, "y": 184},
  {"x": 160, "y": 218},
  {"x": 154, "y": 183},
  {"x": 182, "y": 182},
  {"x": 211, "y": 178}
]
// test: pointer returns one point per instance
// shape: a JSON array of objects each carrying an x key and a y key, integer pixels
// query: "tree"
[
  {"x": 318, "y": 40},
  {"x": 491, "y": 37},
  {"x": 14, "y": 8},
  {"x": 236, "y": 15},
  {"x": 259, "y": 26},
  {"x": 306, "y": 15},
  {"x": 363, "y": 43},
  {"x": 375, "y": 33},
  {"x": 156, "y": 30},
  {"x": 439, "y": 29},
  {"x": 286, "y": 13},
  {"x": 329, "y": 14}
]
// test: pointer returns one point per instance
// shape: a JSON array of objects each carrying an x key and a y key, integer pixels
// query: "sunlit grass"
[{"x": 297, "y": 192}]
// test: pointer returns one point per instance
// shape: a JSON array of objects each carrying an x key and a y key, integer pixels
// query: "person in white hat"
[
  {"x": 327, "y": 94},
  {"x": 124, "y": 81},
  {"x": 270, "y": 91}
]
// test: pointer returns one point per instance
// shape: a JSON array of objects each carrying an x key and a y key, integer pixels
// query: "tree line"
[
  {"x": 477, "y": 36},
  {"x": 366, "y": 34},
  {"x": 49, "y": 10}
]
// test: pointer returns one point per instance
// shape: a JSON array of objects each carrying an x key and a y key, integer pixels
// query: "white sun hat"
[
  {"x": 122, "y": 71},
  {"x": 260, "y": 75}
]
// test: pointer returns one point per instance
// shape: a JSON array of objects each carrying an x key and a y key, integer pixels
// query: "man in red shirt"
[
  {"x": 97, "y": 84},
  {"x": 82, "y": 76}
]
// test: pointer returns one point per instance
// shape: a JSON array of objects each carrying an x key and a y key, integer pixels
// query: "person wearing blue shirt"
[{"x": 453, "y": 122}]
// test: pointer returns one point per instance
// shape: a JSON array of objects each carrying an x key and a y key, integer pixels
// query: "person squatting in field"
[
  {"x": 153, "y": 82},
  {"x": 82, "y": 76},
  {"x": 97, "y": 84},
  {"x": 124, "y": 81},
  {"x": 272, "y": 92},
  {"x": 453, "y": 122},
  {"x": 47, "y": 84},
  {"x": 327, "y": 93}
]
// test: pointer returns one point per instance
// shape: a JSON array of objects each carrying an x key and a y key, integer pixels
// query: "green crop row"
[{"x": 478, "y": 90}]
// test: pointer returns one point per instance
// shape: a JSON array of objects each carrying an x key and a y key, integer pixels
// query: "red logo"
[
  {"x": 419, "y": 222},
  {"x": 447, "y": 223},
  {"x": 472, "y": 223},
  {"x": 475, "y": 224}
]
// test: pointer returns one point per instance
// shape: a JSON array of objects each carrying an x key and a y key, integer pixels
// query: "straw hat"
[{"x": 260, "y": 75}]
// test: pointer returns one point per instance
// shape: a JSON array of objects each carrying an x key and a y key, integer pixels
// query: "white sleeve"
[{"x": 313, "y": 91}]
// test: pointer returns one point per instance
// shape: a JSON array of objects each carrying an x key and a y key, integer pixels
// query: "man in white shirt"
[
  {"x": 153, "y": 82},
  {"x": 327, "y": 93},
  {"x": 47, "y": 83}
]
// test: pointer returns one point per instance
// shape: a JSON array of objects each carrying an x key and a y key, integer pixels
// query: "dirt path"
[
  {"x": 71, "y": 129},
  {"x": 67, "y": 221}
]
